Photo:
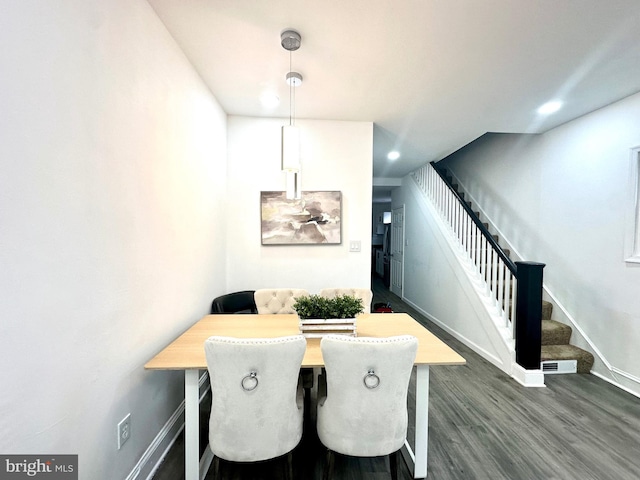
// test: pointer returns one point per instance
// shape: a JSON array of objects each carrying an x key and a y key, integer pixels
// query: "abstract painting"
[{"x": 315, "y": 219}]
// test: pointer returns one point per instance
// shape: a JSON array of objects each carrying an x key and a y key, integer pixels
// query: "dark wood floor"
[{"x": 483, "y": 425}]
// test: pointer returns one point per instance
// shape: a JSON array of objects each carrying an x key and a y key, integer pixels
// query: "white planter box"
[{"x": 319, "y": 327}]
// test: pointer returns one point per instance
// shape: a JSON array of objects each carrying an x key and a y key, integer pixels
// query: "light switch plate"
[{"x": 355, "y": 246}]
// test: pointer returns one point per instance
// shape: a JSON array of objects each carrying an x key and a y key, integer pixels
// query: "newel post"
[{"x": 529, "y": 314}]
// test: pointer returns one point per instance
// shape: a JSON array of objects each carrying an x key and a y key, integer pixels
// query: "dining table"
[{"x": 186, "y": 353}]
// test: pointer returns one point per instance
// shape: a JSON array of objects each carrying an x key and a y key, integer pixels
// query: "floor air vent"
[{"x": 559, "y": 366}]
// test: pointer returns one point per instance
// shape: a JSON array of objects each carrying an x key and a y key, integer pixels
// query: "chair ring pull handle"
[
  {"x": 371, "y": 380},
  {"x": 249, "y": 382}
]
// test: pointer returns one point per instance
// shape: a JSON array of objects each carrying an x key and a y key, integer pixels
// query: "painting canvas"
[{"x": 315, "y": 219}]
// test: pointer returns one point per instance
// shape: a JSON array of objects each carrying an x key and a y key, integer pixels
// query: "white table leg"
[
  {"x": 191, "y": 425},
  {"x": 422, "y": 421}
]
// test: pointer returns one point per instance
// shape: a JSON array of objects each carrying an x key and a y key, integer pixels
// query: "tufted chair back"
[
  {"x": 256, "y": 405},
  {"x": 277, "y": 300},
  {"x": 362, "y": 403},
  {"x": 364, "y": 293}
]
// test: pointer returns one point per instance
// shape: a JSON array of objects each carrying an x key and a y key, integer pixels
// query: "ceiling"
[{"x": 432, "y": 75}]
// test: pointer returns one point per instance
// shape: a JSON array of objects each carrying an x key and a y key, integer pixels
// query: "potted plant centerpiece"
[{"x": 322, "y": 315}]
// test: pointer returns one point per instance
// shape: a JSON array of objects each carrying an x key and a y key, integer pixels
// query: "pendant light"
[{"x": 290, "y": 41}]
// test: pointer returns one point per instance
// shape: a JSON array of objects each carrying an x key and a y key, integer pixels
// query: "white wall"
[
  {"x": 112, "y": 232},
  {"x": 336, "y": 156},
  {"x": 561, "y": 198}
]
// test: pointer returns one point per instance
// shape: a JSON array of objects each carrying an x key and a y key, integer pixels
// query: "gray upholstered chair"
[
  {"x": 362, "y": 402},
  {"x": 256, "y": 402},
  {"x": 364, "y": 293},
  {"x": 277, "y": 300}
]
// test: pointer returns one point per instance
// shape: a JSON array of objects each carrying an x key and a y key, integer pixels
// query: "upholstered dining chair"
[
  {"x": 364, "y": 293},
  {"x": 256, "y": 402},
  {"x": 277, "y": 300},
  {"x": 236, "y": 302},
  {"x": 281, "y": 300},
  {"x": 362, "y": 402}
]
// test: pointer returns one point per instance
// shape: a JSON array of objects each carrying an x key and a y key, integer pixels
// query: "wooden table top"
[{"x": 187, "y": 351}]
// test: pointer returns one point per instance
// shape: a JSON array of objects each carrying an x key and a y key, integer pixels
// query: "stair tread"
[
  {"x": 555, "y": 333},
  {"x": 568, "y": 352}
]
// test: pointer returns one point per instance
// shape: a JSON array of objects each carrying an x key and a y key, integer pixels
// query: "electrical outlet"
[{"x": 124, "y": 430}]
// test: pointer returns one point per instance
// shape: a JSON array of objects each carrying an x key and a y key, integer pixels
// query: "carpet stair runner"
[{"x": 555, "y": 342}]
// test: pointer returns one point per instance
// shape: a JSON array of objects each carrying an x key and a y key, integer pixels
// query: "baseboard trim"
[
  {"x": 615, "y": 383},
  {"x": 527, "y": 378},
  {"x": 205, "y": 462},
  {"x": 476, "y": 348},
  {"x": 626, "y": 375},
  {"x": 159, "y": 448},
  {"x": 156, "y": 452}
]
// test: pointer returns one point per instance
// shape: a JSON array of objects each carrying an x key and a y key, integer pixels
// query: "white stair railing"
[{"x": 490, "y": 265}]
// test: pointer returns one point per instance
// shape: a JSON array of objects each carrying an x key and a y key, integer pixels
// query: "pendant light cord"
[{"x": 290, "y": 91}]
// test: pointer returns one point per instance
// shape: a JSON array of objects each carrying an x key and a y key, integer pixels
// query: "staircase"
[{"x": 556, "y": 336}]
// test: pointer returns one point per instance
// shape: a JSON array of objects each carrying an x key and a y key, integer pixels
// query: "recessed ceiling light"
[
  {"x": 269, "y": 100},
  {"x": 393, "y": 155},
  {"x": 550, "y": 107}
]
